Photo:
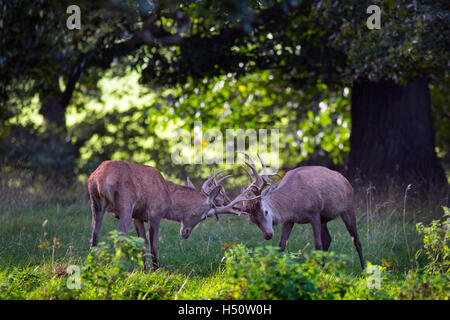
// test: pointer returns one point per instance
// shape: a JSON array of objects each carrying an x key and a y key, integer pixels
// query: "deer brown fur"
[
  {"x": 311, "y": 194},
  {"x": 139, "y": 193}
]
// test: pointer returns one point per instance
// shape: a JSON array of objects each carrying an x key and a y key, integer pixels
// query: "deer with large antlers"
[
  {"x": 139, "y": 193},
  {"x": 310, "y": 194}
]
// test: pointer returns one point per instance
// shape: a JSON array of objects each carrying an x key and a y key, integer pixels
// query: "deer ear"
[
  {"x": 270, "y": 190},
  {"x": 212, "y": 196},
  {"x": 189, "y": 183}
]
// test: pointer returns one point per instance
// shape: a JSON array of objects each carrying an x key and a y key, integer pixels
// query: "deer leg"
[
  {"x": 350, "y": 223},
  {"x": 97, "y": 216},
  {"x": 285, "y": 232},
  {"x": 326, "y": 237},
  {"x": 124, "y": 224},
  {"x": 140, "y": 230},
  {"x": 124, "y": 211},
  {"x": 315, "y": 223},
  {"x": 153, "y": 235}
]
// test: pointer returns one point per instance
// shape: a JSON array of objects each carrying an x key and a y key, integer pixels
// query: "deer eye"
[{"x": 265, "y": 212}]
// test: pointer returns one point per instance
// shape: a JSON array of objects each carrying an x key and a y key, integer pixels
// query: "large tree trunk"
[
  {"x": 61, "y": 153},
  {"x": 392, "y": 138},
  {"x": 54, "y": 113}
]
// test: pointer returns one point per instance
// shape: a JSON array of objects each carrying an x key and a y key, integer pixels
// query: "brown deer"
[
  {"x": 311, "y": 194},
  {"x": 139, "y": 193}
]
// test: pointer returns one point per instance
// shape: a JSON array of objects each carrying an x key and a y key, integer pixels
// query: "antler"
[
  {"x": 261, "y": 181},
  {"x": 206, "y": 188},
  {"x": 266, "y": 174},
  {"x": 257, "y": 184},
  {"x": 229, "y": 208},
  {"x": 211, "y": 183}
]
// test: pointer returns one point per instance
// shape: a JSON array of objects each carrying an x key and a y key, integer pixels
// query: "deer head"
[
  {"x": 255, "y": 205},
  {"x": 257, "y": 209},
  {"x": 213, "y": 196},
  {"x": 199, "y": 211}
]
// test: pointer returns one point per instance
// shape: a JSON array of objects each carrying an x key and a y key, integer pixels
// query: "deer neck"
[{"x": 183, "y": 201}]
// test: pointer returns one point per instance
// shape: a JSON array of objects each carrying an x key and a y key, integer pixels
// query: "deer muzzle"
[
  {"x": 268, "y": 235},
  {"x": 185, "y": 232}
]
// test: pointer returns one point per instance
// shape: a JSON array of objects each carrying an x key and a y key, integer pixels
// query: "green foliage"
[
  {"x": 111, "y": 259},
  {"x": 193, "y": 270},
  {"x": 231, "y": 64},
  {"x": 37, "y": 151},
  {"x": 267, "y": 274},
  {"x": 417, "y": 286},
  {"x": 412, "y": 41},
  {"x": 311, "y": 120},
  {"x": 441, "y": 120},
  {"x": 19, "y": 282},
  {"x": 375, "y": 284},
  {"x": 264, "y": 273},
  {"x": 259, "y": 273},
  {"x": 110, "y": 272},
  {"x": 119, "y": 252},
  {"x": 436, "y": 250}
]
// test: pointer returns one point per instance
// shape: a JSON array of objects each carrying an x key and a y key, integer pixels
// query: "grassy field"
[{"x": 44, "y": 233}]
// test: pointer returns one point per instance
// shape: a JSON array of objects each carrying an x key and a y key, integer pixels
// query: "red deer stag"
[
  {"x": 310, "y": 194},
  {"x": 139, "y": 193}
]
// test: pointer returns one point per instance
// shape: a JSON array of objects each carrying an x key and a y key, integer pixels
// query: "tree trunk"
[
  {"x": 54, "y": 113},
  {"x": 60, "y": 155},
  {"x": 392, "y": 138}
]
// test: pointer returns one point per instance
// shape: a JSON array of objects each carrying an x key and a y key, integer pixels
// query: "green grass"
[
  {"x": 22, "y": 231},
  {"x": 190, "y": 269}
]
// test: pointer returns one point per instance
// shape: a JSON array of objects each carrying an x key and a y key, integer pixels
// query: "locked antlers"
[
  {"x": 211, "y": 183},
  {"x": 257, "y": 184},
  {"x": 260, "y": 180},
  {"x": 230, "y": 208}
]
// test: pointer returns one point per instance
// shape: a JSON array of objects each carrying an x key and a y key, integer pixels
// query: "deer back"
[
  {"x": 312, "y": 189},
  {"x": 120, "y": 183}
]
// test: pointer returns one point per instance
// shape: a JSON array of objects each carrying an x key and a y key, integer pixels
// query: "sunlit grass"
[
  {"x": 45, "y": 228},
  {"x": 22, "y": 231}
]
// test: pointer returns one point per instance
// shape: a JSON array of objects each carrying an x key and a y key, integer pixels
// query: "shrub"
[
  {"x": 109, "y": 261},
  {"x": 110, "y": 271},
  {"x": 418, "y": 286},
  {"x": 267, "y": 274},
  {"x": 435, "y": 238},
  {"x": 264, "y": 273},
  {"x": 18, "y": 283}
]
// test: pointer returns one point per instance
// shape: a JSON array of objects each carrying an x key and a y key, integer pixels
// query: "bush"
[
  {"x": 18, "y": 283},
  {"x": 267, "y": 274},
  {"x": 435, "y": 249},
  {"x": 108, "y": 262},
  {"x": 112, "y": 270},
  {"x": 264, "y": 273},
  {"x": 418, "y": 286}
]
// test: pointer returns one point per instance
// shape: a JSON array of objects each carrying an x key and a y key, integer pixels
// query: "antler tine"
[
  {"x": 222, "y": 190},
  {"x": 262, "y": 163},
  {"x": 213, "y": 177},
  {"x": 248, "y": 157},
  {"x": 228, "y": 209},
  {"x": 223, "y": 178},
  {"x": 262, "y": 180},
  {"x": 255, "y": 172},
  {"x": 266, "y": 174},
  {"x": 248, "y": 173},
  {"x": 205, "y": 186}
]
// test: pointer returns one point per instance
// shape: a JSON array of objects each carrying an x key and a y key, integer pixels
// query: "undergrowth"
[
  {"x": 44, "y": 254},
  {"x": 114, "y": 270}
]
